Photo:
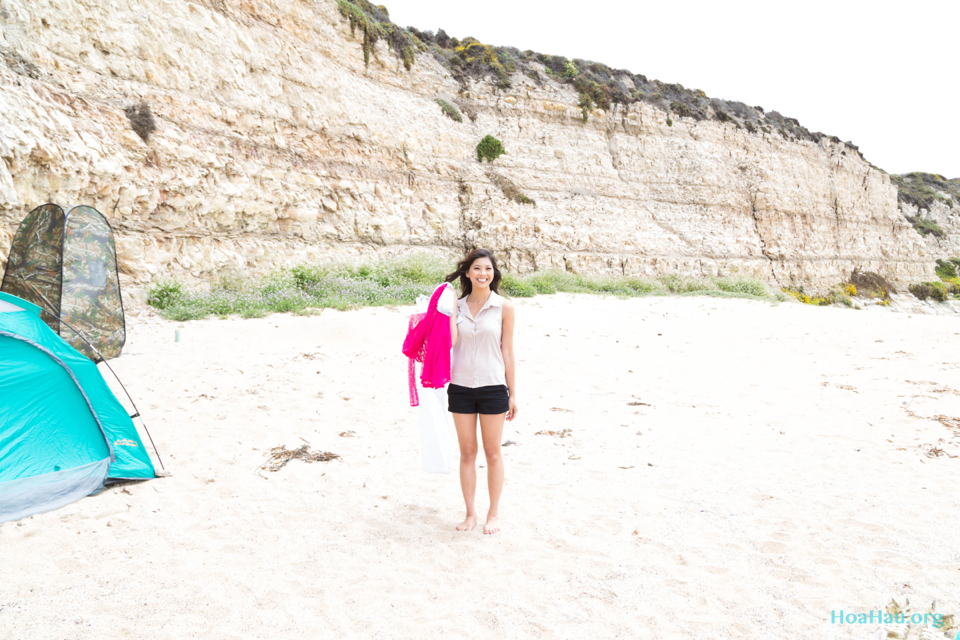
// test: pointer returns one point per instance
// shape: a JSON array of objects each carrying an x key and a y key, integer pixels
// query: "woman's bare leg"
[
  {"x": 466, "y": 424},
  {"x": 491, "y": 430}
]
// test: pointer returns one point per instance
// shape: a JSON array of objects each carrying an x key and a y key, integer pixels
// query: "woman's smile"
[{"x": 481, "y": 273}]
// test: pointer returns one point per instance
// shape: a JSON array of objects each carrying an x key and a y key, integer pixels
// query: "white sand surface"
[{"x": 777, "y": 471}]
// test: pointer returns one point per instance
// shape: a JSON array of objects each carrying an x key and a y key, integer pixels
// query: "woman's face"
[{"x": 481, "y": 274}]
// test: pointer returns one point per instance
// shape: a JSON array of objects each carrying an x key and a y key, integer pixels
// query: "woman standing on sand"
[{"x": 482, "y": 382}]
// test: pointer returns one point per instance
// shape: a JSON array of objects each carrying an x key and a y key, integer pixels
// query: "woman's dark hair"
[{"x": 464, "y": 266}]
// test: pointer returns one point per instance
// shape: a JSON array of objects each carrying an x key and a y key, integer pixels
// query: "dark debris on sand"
[{"x": 280, "y": 456}]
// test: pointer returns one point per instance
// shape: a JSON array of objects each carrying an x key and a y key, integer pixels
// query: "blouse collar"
[{"x": 495, "y": 300}]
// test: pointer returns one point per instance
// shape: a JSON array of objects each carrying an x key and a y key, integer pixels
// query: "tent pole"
[{"x": 136, "y": 412}]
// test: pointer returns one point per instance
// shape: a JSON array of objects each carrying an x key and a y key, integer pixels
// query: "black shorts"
[{"x": 494, "y": 399}]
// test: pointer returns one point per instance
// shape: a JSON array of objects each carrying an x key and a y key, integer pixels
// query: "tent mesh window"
[{"x": 65, "y": 262}]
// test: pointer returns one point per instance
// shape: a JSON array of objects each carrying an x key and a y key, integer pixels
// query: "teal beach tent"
[{"x": 63, "y": 433}]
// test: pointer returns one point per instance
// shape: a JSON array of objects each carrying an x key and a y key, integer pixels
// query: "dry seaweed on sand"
[
  {"x": 947, "y": 421},
  {"x": 936, "y": 452},
  {"x": 280, "y": 456},
  {"x": 562, "y": 433}
]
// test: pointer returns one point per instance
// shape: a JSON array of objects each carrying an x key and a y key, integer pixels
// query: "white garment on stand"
[{"x": 436, "y": 434}]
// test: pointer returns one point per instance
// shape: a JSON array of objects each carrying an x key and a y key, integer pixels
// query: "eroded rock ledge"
[{"x": 275, "y": 144}]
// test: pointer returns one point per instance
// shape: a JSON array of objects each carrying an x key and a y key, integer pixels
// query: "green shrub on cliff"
[
  {"x": 933, "y": 290},
  {"x": 489, "y": 148},
  {"x": 922, "y": 190},
  {"x": 510, "y": 190},
  {"x": 926, "y": 227},
  {"x": 946, "y": 269},
  {"x": 586, "y": 106},
  {"x": 449, "y": 110},
  {"x": 869, "y": 284}
]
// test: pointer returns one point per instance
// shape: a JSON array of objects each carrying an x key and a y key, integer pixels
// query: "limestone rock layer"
[{"x": 274, "y": 144}]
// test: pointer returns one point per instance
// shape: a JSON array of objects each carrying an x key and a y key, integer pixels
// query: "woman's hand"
[{"x": 506, "y": 348}]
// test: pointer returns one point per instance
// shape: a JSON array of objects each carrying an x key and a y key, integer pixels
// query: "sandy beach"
[{"x": 733, "y": 469}]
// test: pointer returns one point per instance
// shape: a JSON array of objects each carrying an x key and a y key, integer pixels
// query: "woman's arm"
[
  {"x": 454, "y": 332},
  {"x": 506, "y": 347},
  {"x": 450, "y": 297},
  {"x": 448, "y": 305}
]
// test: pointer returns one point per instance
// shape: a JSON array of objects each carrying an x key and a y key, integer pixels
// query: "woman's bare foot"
[
  {"x": 468, "y": 524},
  {"x": 492, "y": 526}
]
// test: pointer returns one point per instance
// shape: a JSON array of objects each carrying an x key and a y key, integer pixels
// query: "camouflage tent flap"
[
  {"x": 66, "y": 264},
  {"x": 34, "y": 267}
]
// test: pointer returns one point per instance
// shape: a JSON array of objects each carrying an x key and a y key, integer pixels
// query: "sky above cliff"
[{"x": 881, "y": 79}]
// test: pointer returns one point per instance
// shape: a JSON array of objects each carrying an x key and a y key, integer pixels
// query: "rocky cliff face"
[
  {"x": 275, "y": 144},
  {"x": 948, "y": 219},
  {"x": 932, "y": 203}
]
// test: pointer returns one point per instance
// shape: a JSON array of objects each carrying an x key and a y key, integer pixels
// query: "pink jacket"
[{"x": 428, "y": 341}]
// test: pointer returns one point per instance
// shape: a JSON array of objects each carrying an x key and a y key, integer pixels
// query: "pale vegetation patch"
[
  {"x": 304, "y": 289},
  {"x": 449, "y": 110},
  {"x": 862, "y": 284},
  {"x": 949, "y": 283}
]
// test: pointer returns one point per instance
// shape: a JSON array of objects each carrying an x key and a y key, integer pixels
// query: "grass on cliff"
[
  {"x": 374, "y": 24},
  {"x": 305, "y": 289},
  {"x": 598, "y": 86},
  {"x": 922, "y": 190}
]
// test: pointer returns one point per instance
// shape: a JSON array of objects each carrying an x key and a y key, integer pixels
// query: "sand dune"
[{"x": 734, "y": 469}]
